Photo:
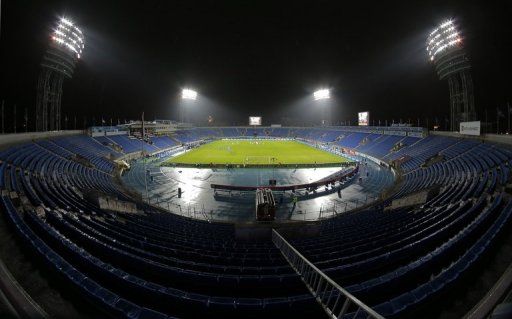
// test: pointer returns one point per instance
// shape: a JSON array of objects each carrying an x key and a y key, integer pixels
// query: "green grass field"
[{"x": 255, "y": 153}]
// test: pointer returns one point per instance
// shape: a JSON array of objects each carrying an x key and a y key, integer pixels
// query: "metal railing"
[
  {"x": 200, "y": 211},
  {"x": 335, "y": 300}
]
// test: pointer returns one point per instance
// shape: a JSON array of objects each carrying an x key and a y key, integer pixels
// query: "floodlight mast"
[
  {"x": 322, "y": 94},
  {"x": 445, "y": 50},
  {"x": 188, "y": 94},
  {"x": 64, "y": 50}
]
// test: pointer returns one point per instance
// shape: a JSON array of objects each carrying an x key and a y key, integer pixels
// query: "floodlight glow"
[
  {"x": 188, "y": 94},
  {"x": 443, "y": 38},
  {"x": 66, "y": 21},
  {"x": 321, "y": 94},
  {"x": 69, "y": 36}
]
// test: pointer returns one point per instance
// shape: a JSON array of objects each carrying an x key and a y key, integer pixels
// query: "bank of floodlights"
[
  {"x": 321, "y": 94},
  {"x": 442, "y": 39},
  {"x": 69, "y": 36},
  {"x": 188, "y": 94}
]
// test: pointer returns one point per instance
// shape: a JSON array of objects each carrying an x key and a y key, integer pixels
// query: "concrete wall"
[
  {"x": 130, "y": 156},
  {"x": 410, "y": 200},
  {"x": 487, "y": 138},
  {"x": 7, "y": 140}
]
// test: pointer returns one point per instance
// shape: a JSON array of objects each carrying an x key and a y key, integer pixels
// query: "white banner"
[{"x": 470, "y": 128}]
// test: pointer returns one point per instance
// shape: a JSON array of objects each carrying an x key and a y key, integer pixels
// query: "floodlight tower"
[
  {"x": 323, "y": 94},
  {"x": 186, "y": 95},
  {"x": 446, "y": 52},
  {"x": 59, "y": 61}
]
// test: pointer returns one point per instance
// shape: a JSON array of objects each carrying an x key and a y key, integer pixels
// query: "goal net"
[{"x": 259, "y": 160}]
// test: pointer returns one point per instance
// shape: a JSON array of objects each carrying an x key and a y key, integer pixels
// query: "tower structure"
[
  {"x": 59, "y": 61},
  {"x": 446, "y": 51}
]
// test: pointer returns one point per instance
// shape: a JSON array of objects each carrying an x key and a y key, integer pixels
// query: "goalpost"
[{"x": 259, "y": 160}]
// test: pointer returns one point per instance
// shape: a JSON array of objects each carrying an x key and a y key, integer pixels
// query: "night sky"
[{"x": 255, "y": 58}]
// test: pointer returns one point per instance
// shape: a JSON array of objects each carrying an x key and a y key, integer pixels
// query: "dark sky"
[{"x": 256, "y": 57}]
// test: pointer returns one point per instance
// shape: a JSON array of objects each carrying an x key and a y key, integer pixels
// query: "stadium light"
[
  {"x": 69, "y": 36},
  {"x": 321, "y": 94},
  {"x": 188, "y": 94},
  {"x": 444, "y": 37},
  {"x": 446, "y": 52}
]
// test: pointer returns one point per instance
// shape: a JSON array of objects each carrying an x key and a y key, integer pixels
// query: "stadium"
[{"x": 321, "y": 216}]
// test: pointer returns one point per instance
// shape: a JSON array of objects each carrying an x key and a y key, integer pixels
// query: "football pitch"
[{"x": 256, "y": 153}]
